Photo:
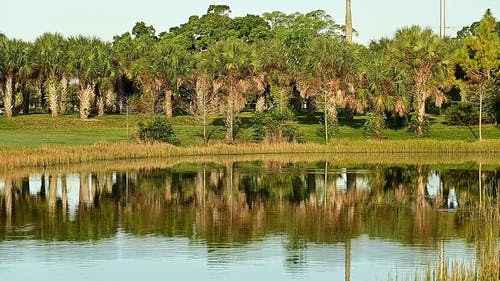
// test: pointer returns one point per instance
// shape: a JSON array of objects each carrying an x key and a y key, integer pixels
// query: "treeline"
[{"x": 275, "y": 65}]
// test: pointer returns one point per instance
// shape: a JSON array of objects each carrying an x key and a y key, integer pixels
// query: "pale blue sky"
[{"x": 27, "y": 19}]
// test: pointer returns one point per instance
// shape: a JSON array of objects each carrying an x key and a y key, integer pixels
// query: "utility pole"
[
  {"x": 348, "y": 21},
  {"x": 442, "y": 25}
]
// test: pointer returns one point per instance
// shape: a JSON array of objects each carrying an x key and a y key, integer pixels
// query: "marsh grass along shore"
[{"x": 41, "y": 140}]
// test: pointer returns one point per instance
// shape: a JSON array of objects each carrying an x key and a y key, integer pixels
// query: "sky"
[{"x": 27, "y": 19}]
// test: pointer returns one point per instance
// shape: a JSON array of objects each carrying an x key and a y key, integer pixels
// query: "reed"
[
  {"x": 419, "y": 151},
  {"x": 487, "y": 264}
]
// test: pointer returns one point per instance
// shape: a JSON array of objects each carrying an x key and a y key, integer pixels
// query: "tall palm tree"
[
  {"x": 422, "y": 55},
  {"x": 383, "y": 87},
  {"x": 13, "y": 61},
  {"x": 50, "y": 55},
  {"x": 327, "y": 77},
  {"x": 232, "y": 65},
  {"x": 169, "y": 63},
  {"x": 90, "y": 62}
]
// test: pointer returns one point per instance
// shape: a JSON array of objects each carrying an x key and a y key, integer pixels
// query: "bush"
[
  {"x": 157, "y": 130},
  {"x": 461, "y": 114},
  {"x": 272, "y": 126},
  {"x": 467, "y": 114}
]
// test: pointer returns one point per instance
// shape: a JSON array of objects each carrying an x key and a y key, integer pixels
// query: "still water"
[{"x": 240, "y": 221}]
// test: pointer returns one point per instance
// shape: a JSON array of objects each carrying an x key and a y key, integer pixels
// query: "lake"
[{"x": 246, "y": 220}]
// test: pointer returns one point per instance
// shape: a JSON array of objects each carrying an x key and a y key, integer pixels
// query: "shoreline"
[{"x": 22, "y": 157}]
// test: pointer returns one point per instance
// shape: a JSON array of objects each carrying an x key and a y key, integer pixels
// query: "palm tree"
[
  {"x": 422, "y": 56},
  {"x": 384, "y": 88},
  {"x": 232, "y": 65},
  {"x": 90, "y": 62},
  {"x": 169, "y": 64},
  {"x": 12, "y": 69},
  {"x": 50, "y": 55},
  {"x": 326, "y": 74}
]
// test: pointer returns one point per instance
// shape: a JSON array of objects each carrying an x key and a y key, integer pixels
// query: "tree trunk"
[
  {"x": 421, "y": 117},
  {"x": 26, "y": 102},
  {"x": 52, "y": 97},
  {"x": 168, "y": 103},
  {"x": 100, "y": 106},
  {"x": 348, "y": 21},
  {"x": 480, "y": 115},
  {"x": 63, "y": 98},
  {"x": 325, "y": 105},
  {"x": 86, "y": 97},
  {"x": 230, "y": 112},
  {"x": 7, "y": 100}
]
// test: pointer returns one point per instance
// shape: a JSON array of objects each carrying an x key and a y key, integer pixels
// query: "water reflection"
[{"x": 315, "y": 213}]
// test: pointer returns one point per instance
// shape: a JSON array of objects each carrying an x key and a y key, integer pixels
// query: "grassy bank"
[
  {"x": 411, "y": 150},
  {"x": 41, "y": 140},
  {"x": 42, "y": 129}
]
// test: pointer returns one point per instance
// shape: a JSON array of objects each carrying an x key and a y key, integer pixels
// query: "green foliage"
[
  {"x": 374, "y": 125},
  {"x": 273, "y": 126},
  {"x": 414, "y": 125},
  {"x": 333, "y": 126},
  {"x": 157, "y": 130},
  {"x": 461, "y": 114}
]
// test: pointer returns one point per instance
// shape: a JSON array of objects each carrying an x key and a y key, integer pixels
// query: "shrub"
[
  {"x": 461, "y": 114},
  {"x": 157, "y": 130},
  {"x": 272, "y": 126}
]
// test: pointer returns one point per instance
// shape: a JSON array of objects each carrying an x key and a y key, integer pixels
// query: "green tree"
[
  {"x": 479, "y": 58},
  {"x": 422, "y": 55},
  {"x": 169, "y": 64},
  {"x": 328, "y": 77},
  {"x": 13, "y": 68},
  {"x": 90, "y": 62},
  {"x": 50, "y": 55},
  {"x": 383, "y": 87},
  {"x": 232, "y": 65}
]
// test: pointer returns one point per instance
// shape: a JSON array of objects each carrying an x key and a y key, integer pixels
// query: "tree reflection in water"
[{"x": 231, "y": 204}]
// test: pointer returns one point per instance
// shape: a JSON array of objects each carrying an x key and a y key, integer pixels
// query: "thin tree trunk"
[
  {"x": 8, "y": 97},
  {"x": 230, "y": 115},
  {"x": 325, "y": 105},
  {"x": 205, "y": 138},
  {"x": 168, "y": 103},
  {"x": 480, "y": 115},
  {"x": 348, "y": 21}
]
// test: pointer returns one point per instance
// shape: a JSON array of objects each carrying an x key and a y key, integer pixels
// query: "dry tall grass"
[{"x": 422, "y": 152}]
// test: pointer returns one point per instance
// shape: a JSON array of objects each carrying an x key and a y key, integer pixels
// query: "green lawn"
[{"x": 39, "y": 129}]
